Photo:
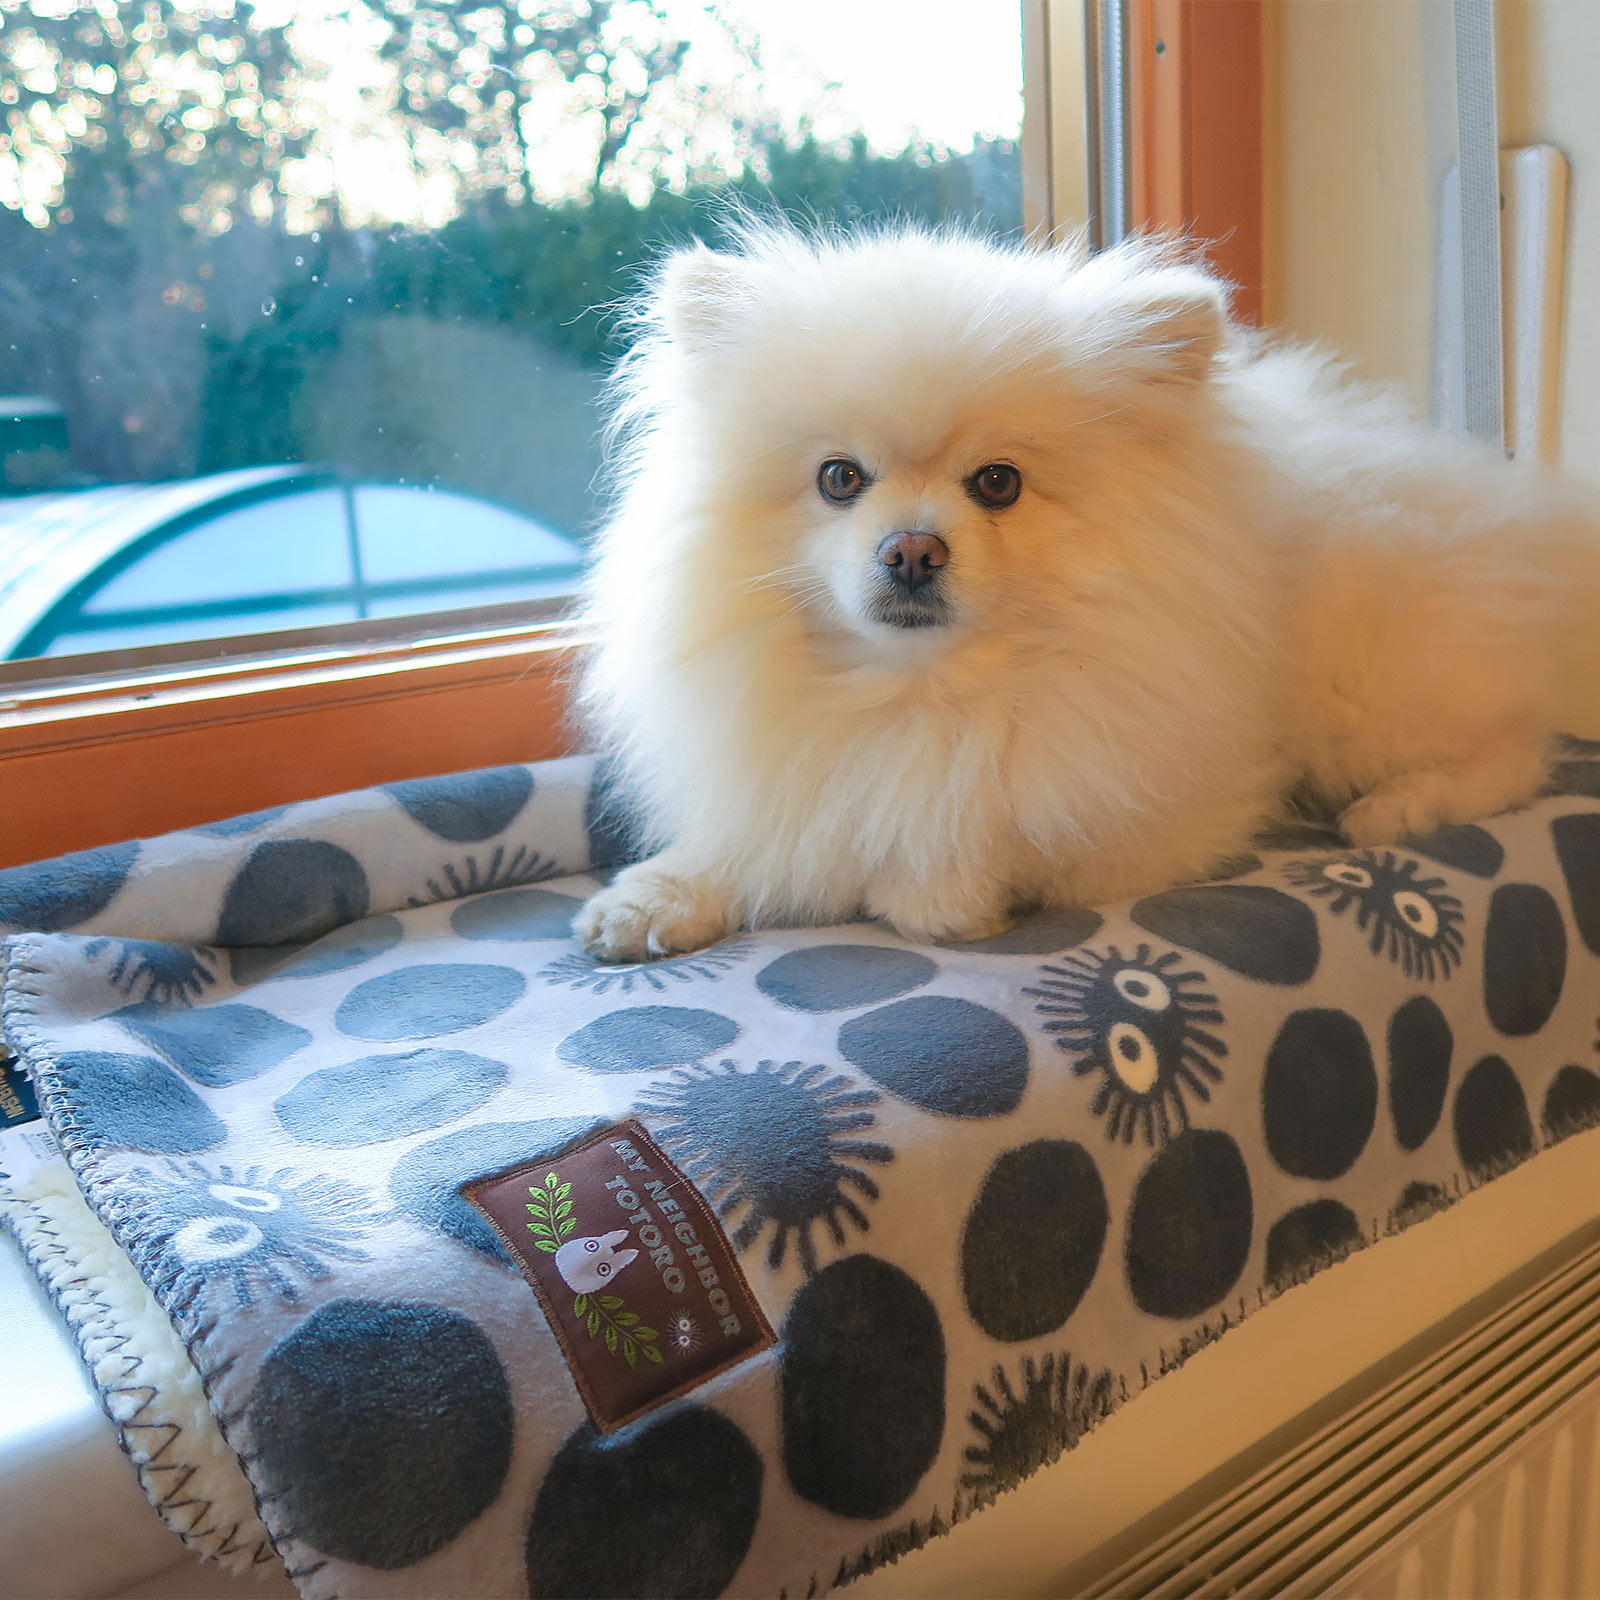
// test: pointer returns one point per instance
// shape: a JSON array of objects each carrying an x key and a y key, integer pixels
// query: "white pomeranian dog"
[{"x": 951, "y": 578}]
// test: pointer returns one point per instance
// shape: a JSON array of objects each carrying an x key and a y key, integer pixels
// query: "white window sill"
[{"x": 73, "y": 1520}]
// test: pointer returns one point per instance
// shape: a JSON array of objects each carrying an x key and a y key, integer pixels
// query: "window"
[
  {"x": 264, "y": 266},
  {"x": 305, "y": 306},
  {"x": 269, "y": 548}
]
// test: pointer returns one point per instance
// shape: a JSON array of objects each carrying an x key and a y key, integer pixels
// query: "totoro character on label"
[{"x": 588, "y": 1265}]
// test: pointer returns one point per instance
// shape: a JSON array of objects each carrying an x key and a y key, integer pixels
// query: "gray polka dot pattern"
[{"x": 979, "y": 1190}]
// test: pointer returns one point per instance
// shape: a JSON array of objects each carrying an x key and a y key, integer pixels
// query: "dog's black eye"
[
  {"x": 996, "y": 485},
  {"x": 840, "y": 479}
]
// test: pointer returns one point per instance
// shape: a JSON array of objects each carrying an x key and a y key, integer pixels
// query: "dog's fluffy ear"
[
  {"x": 698, "y": 296},
  {"x": 1176, "y": 318}
]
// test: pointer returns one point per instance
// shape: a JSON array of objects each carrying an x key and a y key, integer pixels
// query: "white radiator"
[
  {"x": 1475, "y": 1474},
  {"x": 1527, "y": 1526}
]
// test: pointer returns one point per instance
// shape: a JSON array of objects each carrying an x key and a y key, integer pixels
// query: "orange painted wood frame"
[
  {"x": 83, "y": 765},
  {"x": 1194, "y": 126}
]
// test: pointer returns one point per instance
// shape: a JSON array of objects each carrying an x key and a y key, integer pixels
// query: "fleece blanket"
[{"x": 504, "y": 1272}]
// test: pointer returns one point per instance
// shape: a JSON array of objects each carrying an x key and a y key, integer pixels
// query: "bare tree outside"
[{"x": 384, "y": 235}]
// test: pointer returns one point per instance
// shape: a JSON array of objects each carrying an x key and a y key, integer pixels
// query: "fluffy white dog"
[{"x": 950, "y": 578}]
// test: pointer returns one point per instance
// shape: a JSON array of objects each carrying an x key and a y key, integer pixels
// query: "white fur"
[{"x": 1229, "y": 571}]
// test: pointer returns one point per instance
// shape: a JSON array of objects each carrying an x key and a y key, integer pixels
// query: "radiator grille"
[{"x": 1476, "y": 1473}]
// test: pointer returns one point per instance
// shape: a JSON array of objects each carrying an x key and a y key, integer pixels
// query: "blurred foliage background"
[{"x": 383, "y": 233}]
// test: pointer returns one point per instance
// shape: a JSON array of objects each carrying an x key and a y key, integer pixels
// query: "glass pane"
[
  {"x": 380, "y": 241},
  {"x": 405, "y": 533},
  {"x": 487, "y": 594},
  {"x": 289, "y": 543},
  {"x": 80, "y": 642}
]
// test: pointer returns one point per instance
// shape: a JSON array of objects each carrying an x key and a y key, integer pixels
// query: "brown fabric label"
[{"x": 632, "y": 1269}]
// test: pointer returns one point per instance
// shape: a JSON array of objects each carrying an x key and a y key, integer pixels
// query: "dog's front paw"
[
  {"x": 1402, "y": 808},
  {"x": 647, "y": 912}
]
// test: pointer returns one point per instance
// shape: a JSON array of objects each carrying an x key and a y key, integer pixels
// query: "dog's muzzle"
[
  {"x": 914, "y": 561},
  {"x": 911, "y": 582}
]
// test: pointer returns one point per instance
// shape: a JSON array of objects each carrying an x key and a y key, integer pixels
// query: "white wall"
[
  {"x": 1358, "y": 138},
  {"x": 1348, "y": 237},
  {"x": 1359, "y": 133},
  {"x": 1550, "y": 93}
]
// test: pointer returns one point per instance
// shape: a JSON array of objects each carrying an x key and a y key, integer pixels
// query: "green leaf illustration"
[
  {"x": 551, "y": 1181},
  {"x": 566, "y": 1227},
  {"x": 622, "y": 1332},
  {"x": 537, "y": 1193},
  {"x": 563, "y": 1191},
  {"x": 546, "y": 1245},
  {"x": 564, "y": 1209}
]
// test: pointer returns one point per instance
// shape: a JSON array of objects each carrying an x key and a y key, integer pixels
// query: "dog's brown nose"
[{"x": 913, "y": 559}]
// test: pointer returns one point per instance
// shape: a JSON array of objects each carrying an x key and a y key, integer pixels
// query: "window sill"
[{"x": 158, "y": 744}]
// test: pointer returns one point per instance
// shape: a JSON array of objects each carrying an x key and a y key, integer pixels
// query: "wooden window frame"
[
  {"x": 1193, "y": 134},
  {"x": 116, "y": 747},
  {"x": 88, "y": 760},
  {"x": 1195, "y": 144}
]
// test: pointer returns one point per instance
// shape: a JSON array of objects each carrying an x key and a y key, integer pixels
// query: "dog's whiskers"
[
  {"x": 766, "y": 579},
  {"x": 800, "y": 595},
  {"x": 804, "y": 601}
]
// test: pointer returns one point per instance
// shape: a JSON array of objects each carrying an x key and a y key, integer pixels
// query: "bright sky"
[{"x": 947, "y": 70}]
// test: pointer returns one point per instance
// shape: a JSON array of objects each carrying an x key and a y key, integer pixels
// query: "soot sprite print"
[
  {"x": 1417, "y": 1202},
  {"x": 57, "y": 894},
  {"x": 666, "y": 1507},
  {"x": 380, "y": 1430},
  {"x": 1027, "y": 1425},
  {"x": 683, "y": 1332},
  {"x": 1141, "y": 1025},
  {"x": 862, "y": 1377},
  {"x": 578, "y": 971},
  {"x": 1410, "y": 919},
  {"x": 247, "y": 1234},
  {"x": 465, "y": 807},
  {"x": 505, "y": 869},
  {"x": 141, "y": 1103},
  {"x": 150, "y": 969},
  {"x": 291, "y": 890},
  {"x": 777, "y": 1144}
]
